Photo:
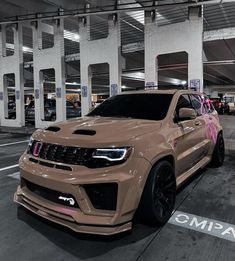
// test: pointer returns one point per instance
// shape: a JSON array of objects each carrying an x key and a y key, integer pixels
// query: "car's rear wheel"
[
  {"x": 219, "y": 151},
  {"x": 158, "y": 198}
]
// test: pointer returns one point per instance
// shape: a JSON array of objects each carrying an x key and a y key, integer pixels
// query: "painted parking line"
[
  {"x": 204, "y": 225},
  {"x": 9, "y": 167},
  {"x": 13, "y": 143},
  {"x": 15, "y": 175}
]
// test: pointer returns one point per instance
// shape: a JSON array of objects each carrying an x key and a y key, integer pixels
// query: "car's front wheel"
[{"x": 158, "y": 198}]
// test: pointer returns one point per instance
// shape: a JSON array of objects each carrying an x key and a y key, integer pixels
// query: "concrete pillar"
[
  {"x": 50, "y": 58},
  {"x": 12, "y": 65},
  {"x": 179, "y": 37},
  {"x": 107, "y": 50}
]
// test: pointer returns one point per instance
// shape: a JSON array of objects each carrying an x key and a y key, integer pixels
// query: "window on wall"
[
  {"x": 10, "y": 45},
  {"x": 100, "y": 84},
  {"x": 10, "y": 101},
  {"x": 172, "y": 70},
  {"x": 98, "y": 27},
  {"x": 48, "y": 102},
  {"x": 48, "y": 35}
]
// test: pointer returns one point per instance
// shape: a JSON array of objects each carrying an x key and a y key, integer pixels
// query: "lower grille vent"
[{"x": 52, "y": 195}]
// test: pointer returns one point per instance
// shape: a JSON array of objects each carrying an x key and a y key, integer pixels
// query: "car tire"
[
  {"x": 158, "y": 198},
  {"x": 219, "y": 151}
]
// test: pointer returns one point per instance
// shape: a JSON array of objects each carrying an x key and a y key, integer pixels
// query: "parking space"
[{"x": 204, "y": 221}]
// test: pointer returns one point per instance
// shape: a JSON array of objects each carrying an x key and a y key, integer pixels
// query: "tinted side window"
[
  {"x": 197, "y": 104},
  {"x": 138, "y": 106},
  {"x": 183, "y": 102}
]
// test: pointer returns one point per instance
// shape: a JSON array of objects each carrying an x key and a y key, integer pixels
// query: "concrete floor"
[{"x": 210, "y": 195}]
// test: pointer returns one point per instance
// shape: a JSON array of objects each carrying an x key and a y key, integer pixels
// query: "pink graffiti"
[{"x": 210, "y": 129}]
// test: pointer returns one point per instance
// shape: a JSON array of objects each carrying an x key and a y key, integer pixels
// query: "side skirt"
[{"x": 184, "y": 176}]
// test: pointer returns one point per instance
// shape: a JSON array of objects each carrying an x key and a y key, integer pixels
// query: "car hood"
[{"x": 96, "y": 131}]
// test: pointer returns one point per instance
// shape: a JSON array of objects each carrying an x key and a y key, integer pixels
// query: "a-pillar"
[
  {"x": 12, "y": 65},
  {"x": 185, "y": 36},
  {"x": 106, "y": 50},
  {"x": 49, "y": 58}
]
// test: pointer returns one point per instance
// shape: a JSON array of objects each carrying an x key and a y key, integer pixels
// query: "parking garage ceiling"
[{"x": 219, "y": 55}]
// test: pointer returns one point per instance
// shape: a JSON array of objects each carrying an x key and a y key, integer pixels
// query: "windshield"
[{"x": 138, "y": 106}]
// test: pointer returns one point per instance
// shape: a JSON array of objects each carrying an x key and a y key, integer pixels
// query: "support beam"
[
  {"x": 12, "y": 65},
  {"x": 50, "y": 58},
  {"x": 220, "y": 34},
  {"x": 181, "y": 37},
  {"x": 110, "y": 9},
  {"x": 107, "y": 50},
  {"x": 212, "y": 35}
]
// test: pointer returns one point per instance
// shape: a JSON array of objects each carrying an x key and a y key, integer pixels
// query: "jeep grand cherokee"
[{"x": 130, "y": 153}]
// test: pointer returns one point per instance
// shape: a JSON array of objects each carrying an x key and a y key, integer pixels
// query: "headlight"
[
  {"x": 117, "y": 154},
  {"x": 31, "y": 140},
  {"x": 108, "y": 157}
]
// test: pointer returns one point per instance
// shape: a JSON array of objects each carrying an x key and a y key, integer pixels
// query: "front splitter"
[{"x": 68, "y": 221}]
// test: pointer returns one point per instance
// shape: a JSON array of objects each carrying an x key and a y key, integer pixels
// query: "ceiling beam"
[
  {"x": 220, "y": 34},
  {"x": 106, "y": 10}
]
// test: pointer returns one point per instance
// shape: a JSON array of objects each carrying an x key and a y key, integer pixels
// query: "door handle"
[{"x": 198, "y": 123}]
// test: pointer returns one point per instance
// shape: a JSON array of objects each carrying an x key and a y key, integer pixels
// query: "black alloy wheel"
[{"x": 158, "y": 199}]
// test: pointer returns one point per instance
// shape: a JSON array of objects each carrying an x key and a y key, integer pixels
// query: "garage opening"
[
  {"x": 100, "y": 83},
  {"x": 48, "y": 103},
  {"x": 10, "y": 97},
  {"x": 10, "y": 45},
  {"x": 47, "y": 35},
  {"x": 173, "y": 70},
  {"x": 98, "y": 27}
]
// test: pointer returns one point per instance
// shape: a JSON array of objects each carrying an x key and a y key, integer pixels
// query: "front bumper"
[
  {"x": 66, "y": 219},
  {"x": 129, "y": 176}
]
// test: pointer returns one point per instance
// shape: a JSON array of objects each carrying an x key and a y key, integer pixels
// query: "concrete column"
[
  {"x": 107, "y": 50},
  {"x": 179, "y": 37},
  {"x": 12, "y": 65},
  {"x": 195, "y": 50},
  {"x": 50, "y": 58},
  {"x": 151, "y": 70}
]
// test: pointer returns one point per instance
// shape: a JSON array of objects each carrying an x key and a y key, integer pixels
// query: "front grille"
[
  {"x": 51, "y": 195},
  {"x": 50, "y": 165},
  {"x": 62, "y": 154}
]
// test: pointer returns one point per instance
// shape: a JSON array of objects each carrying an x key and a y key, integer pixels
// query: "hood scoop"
[
  {"x": 53, "y": 128},
  {"x": 85, "y": 132}
]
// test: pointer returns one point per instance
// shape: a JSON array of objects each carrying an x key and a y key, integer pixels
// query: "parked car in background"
[
  {"x": 97, "y": 103},
  {"x": 230, "y": 100},
  {"x": 220, "y": 105},
  {"x": 11, "y": 110},
  {"x": 127, "y": 156},
  {"x": 50, "y": 111}
]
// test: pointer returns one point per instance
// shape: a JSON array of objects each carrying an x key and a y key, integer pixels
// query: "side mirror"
[{"x": 187, "y": 114}]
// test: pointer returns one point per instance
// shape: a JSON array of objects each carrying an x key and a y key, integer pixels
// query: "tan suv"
[{"x": 130, "y": 153}]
